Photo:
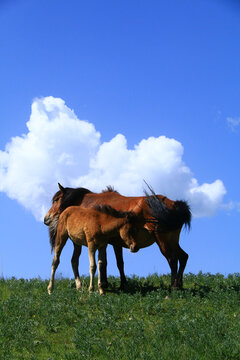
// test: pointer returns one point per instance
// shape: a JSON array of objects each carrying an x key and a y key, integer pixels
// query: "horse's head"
[
  {"x": 64, "y": 198},
  {"x": 56, "y": 208}
]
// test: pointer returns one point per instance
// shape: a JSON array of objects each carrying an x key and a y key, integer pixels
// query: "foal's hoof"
[
  {"x": 101, "y": 292},
  {"x": 49, "y": 290},
  {"x": 90, "y": 290},
  {"x": 78, "y": 285}
]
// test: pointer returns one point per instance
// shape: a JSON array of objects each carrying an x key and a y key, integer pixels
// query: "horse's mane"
[
  {"x": 107, "y": 209},
  {"x": 55, "y": 196},
  {"x": 110, "y": 188},
  {"x": 53, "y": 232},
  {"x": 71, "y": 196}
]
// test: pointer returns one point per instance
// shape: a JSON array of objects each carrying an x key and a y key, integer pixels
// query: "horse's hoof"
[{"x": 122, "y": 286}]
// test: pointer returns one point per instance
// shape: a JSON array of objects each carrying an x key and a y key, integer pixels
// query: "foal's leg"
[
  {"x": 75, "y": 263},
  {"x": 101, "y": 265},
  {"x": 92, "y": 266},
  {"x": 55, "y": 263},
  {"x": 103, "y": 279},
  {"x": 120, "y": 264},
  {"x": 183, "y": 258}
]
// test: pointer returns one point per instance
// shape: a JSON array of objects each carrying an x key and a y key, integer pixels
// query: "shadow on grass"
[
  {"x": 134, "y": 286},
  {"x": 150, "y": 284}
]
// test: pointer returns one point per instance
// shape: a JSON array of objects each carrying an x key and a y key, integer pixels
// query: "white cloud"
[
  {"x": 60, "y": 148},
  {"x": 56, "y": 146},
  {"x": 233, "y": 123},
  {"x": 231, "y": 205}
]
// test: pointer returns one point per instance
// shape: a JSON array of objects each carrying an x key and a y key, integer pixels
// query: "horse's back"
[{"x": 115, "y": 200}]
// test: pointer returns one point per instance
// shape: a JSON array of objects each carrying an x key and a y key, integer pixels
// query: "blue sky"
[{"x": 143, "y": 69}]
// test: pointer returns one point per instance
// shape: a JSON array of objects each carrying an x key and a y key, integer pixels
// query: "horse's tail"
[
  {"x": 53, "y": 232},
  {"x": 168, "y": 219}
]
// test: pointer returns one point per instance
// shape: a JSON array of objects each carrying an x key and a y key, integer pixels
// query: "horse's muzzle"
[
  {"x": 133, "y": 248},
  {"x": 47, "y": 220}
]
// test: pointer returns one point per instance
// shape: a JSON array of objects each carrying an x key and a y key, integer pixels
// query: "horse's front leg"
[
  {"x": 120, "y": 264},
  {"x": 101, "y": 266},
  {"x": 75, "y": 262},
  {"x": 92, "y": 264}
]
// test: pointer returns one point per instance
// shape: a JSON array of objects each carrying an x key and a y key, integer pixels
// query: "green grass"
[{"x": 145, "y": 321}]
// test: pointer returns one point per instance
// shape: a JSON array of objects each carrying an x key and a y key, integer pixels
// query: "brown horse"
[
  {"x": 174, "y": 214},
  {"x": 93, "y": 227}
]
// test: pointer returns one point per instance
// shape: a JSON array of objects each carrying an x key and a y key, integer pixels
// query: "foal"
[{"x": 93, "y": 227}]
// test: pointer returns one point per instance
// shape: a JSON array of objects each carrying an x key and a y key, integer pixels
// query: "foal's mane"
[{"x": 109, "y": 210}]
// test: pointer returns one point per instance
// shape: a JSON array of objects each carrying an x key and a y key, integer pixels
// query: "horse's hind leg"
[
  {"x": 75, "y": 263},
  {"x": 173, "y": 263},
  {"x": 92, "y": 264},
  {"x": 120, "y": 264},
  {"x": 183, "y": 258},
  {"x": 56, "y": 260},
  {"x": 168, "y": 245},
  {"x": 101, "y": 265}
]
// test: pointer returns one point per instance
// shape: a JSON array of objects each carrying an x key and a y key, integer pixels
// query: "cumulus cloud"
[{"x": 61, "y": 148}]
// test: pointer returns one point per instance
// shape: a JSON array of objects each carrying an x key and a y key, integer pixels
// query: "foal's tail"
[{"x": 168, "y": 219}]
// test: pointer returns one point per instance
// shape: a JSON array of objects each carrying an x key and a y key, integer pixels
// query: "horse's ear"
[{"x": 61, "y": 187}]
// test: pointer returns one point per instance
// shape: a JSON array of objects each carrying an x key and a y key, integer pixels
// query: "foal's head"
[{"x": 64, "y": 198}]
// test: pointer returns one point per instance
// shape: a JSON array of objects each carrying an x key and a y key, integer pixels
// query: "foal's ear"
[{"x": 61, "y": 187}]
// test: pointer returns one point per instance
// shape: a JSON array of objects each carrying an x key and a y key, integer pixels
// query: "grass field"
[{"x": 145, "y": 321}]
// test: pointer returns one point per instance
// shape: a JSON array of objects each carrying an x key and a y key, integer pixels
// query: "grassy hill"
[{"x": 145, "y": 321}]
